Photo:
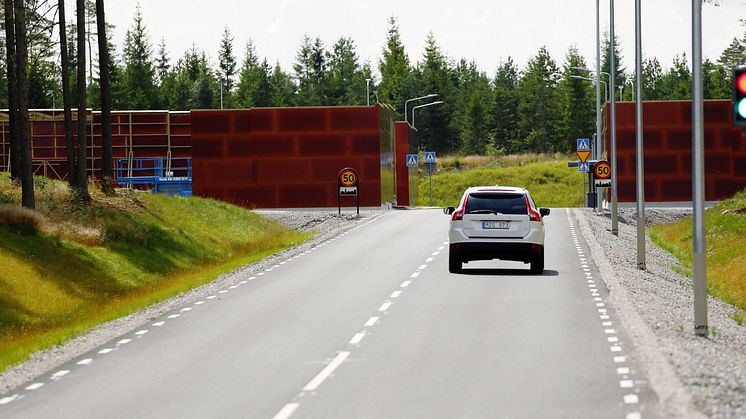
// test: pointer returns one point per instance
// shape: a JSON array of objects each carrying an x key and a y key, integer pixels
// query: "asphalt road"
[{"x": 370, "y": 325}]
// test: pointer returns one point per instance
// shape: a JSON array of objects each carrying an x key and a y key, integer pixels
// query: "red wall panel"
[
  {"x": 402, "y": 171},
  {"x": 668, "y": 151},
  {"x": 286, "y": 157}
]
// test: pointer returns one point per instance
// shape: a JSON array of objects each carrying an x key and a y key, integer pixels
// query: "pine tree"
[
  {"x": 345, "y": 76},
  {"x": 539, "y": 108},
  {"x": 310, "y": 73},
  {"x": 506, "y": 107},
  {"x": 227, "y": 61},
  {"x": 139, "y": 71},
  {"x": 394, "y": 69},
  {"x": 282, "y": 88},
  {"x": 578, "y": 103},
  {"x": 162, "y": 62},
  {"x": 249, "y": 78},
  {"x": 434, "y": 76}
]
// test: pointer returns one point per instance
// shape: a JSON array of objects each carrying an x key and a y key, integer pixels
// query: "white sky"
[{"x": 487, "y": 31}]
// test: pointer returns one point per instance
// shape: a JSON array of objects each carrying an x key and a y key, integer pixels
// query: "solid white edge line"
[
  {"x": 287, "y": 411},
  {"x": 326, "y": 372}
]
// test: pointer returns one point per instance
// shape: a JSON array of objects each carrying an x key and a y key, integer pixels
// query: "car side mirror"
[
  {"x": 544, "y": 211},
  {"x": 448, "y": 210}
]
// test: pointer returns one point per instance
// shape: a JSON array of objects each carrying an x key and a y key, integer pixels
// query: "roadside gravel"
[
  {"x": 325, "y": 225},
  {"x": 689, "y": 374}
]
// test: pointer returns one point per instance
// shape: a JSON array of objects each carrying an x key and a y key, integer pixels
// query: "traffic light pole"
[
  {"x": 698, "y": 176},
  {"x": 612, "y": 116}
]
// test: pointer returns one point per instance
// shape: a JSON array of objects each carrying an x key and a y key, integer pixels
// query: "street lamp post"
[
  {"x": 367, "y": 92},
  {"x": 423, "y": 106},
  {"x": 415, "y": 99},
  {"x": 640, "y": 163}
]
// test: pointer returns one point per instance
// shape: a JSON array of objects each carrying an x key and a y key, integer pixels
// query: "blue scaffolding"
[{"x": 172, "y": 176}]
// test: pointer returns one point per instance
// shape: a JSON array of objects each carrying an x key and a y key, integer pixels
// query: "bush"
[{"x": 18, "y": 218}]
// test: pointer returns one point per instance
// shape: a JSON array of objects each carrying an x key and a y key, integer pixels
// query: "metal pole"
[
  {"x": 640, "y": 166},
  {"x": 597, "y": 146},
  {"x": 367, "y": 92},
  {"x": 221, "y": 92},
  {"x": 698, "y": 175},
  {"x": 612, "y": 116},
  {"x": 431, "y": 186}
]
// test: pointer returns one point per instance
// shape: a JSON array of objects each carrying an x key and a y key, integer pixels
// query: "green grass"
[
  {"x": 726, "y": 248},
  {"x": 551, "y": 183},
  {"x": 67, "y": 268}
]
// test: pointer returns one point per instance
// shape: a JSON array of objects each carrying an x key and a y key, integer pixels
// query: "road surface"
[{"x": 369, "y": 325}]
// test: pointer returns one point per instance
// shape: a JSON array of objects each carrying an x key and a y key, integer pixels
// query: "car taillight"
[
  {"x": 532, "y": 215},
  {"x": 459, "y": 213}
]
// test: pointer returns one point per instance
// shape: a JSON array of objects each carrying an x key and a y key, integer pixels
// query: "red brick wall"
[
  {"x": 285, "y": 157},
  {"x": 402, "y": 171},
  {"x": 668, "y": 151}
]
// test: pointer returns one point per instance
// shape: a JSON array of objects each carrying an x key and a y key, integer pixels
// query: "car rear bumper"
[{"x": 521, "y": 252}]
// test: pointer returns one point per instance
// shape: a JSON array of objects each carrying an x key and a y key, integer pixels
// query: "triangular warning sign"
[
  {"x": 412, "y": 161},
  {"x": 583, "y": 155}
]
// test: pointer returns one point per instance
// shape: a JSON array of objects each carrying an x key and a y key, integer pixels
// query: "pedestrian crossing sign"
[
  {"x": 584, "y": 144},
  {"x": 429, "y": 157},
  {"x": 413, "y": 160},
  {"x": 583, "y": 167}
]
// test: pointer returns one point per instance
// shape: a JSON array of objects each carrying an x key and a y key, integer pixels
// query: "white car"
[{"x": 496, "y": 222}]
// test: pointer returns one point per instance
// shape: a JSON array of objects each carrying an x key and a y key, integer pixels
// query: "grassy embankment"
[
  {"x": 66, "y": 268},
  {"x": 551, "y": 183},
  {"x": 726, "y": 249}
]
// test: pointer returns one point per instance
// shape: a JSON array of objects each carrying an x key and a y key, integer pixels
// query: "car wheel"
[
  {"x": 537, "y": 264},
  {"x": 454, "y": 263}
]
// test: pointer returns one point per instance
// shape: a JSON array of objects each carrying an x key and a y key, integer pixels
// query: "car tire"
[
  {"x": 537, "y": 264},
  {"x": 455, "y": 265}
]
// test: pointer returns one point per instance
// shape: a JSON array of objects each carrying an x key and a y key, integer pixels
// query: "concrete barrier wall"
[
  {"x": 668, "y": 151},
  {"x": 286, "y": 157}
]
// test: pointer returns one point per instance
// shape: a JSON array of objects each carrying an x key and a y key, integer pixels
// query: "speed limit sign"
[
  {"x": 347, "y": 182},
  {"x": 602, "y": 174}
]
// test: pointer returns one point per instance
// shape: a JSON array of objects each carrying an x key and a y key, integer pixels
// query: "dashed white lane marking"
[
  {"x": 620, "y": 359},
  {"x": 260, "y": 274},
  {"x": 631, "y": 399},
  {"x": 441, "y": 248},
  {"x": 86, "y": 361},
  {"x": 371, "y": 322},
  {"x": 405, "y": 284},
  {"x": 414, "y": 275},
  {"x": 35, "y": 386},
  {"x": 212, "y": 297},
  {"x": 436, "y": 253},
  {"x": 610, "y": 331},
  {"x": 385, "y": 306},
  {"x": 622, "y": 370},
  {"x": 185, "y": 309},
  {"x": 626, "y": 384},
  {"x": 59, "y": 374},
  {"x": 286, "y": 411},
  {"x": 141, "y": 332},
  {"x": 158, "y": 324},
  {"x": 251, "y": 278},
  {"x": 357, "y": 338},
  {"x": 395, "y": 294},
  {"x": 106, "y": 351},
  {"x": 222, "y": 291},
  {"x": 173, "y": 316},
  {"x": 199, "y": 303},
  {"x": 124, "y": 342},
  {"x": 6, "y": 400},
  {"x": 616, "y": 348},
  {"x": 428, "y": 260},
  {"x": 326, "y": 372},
  {"x": 422, "y": 267},
  {"x": 612, "y": 339},
  {"x": 233, "y": 287}
]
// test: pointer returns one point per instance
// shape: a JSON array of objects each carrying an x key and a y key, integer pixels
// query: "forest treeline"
[{"x": 533, "y": 107}]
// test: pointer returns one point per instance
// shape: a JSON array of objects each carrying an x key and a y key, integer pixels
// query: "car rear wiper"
[{"x": 483, "y": 211}]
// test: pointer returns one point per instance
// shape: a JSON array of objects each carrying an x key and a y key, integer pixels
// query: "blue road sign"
[
  {"x": 584, "y": 144},
  {"x": 583, "y": 167},
  {"x": 413, "y": 160},
  {"x": 429, "y": 157}
]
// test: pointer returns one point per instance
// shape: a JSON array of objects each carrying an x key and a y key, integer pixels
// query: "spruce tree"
[
  {"x": 227, "y": 62},
  {"x": 505, "y": 129},
  {"x": 394, "y": 69},
  {"x": 139, "y": 70},
  {"x": 578, "y": 103},
  {"x": 539, "y": 106}
]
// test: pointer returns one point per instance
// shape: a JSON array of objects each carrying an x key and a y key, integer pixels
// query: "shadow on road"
[{"x": 506, "y": 272}]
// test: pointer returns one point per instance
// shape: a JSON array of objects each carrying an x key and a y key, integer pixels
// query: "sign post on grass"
[{"x": 430, "y": 161}]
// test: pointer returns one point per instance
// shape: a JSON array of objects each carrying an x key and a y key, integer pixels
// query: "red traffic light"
[{"x": 741, "y": 83}]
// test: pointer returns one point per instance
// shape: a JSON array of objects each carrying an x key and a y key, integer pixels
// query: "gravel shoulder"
[
  {"x": 692, "y": 376},
  {"x": 325, "y": 224}
]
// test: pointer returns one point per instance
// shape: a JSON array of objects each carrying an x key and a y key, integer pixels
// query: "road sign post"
[
  {"x": 347, "y": 183},
  {"x": 430, "y": 161}
]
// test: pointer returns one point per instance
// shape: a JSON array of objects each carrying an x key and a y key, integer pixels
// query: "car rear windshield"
[{"x": 496, "y": 203}]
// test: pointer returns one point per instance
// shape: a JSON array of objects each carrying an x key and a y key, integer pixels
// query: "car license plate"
[{"x": 493, "y": 225}]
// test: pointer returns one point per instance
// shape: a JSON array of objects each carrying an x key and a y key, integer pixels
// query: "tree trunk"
[
  {"x": 107, "y": 171},
  {"x": 82, "y": 175},
  {"x": 27, "y": 174},
  {"x": 10, "y": 50},
  {"x": 72, "y": 168}
]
